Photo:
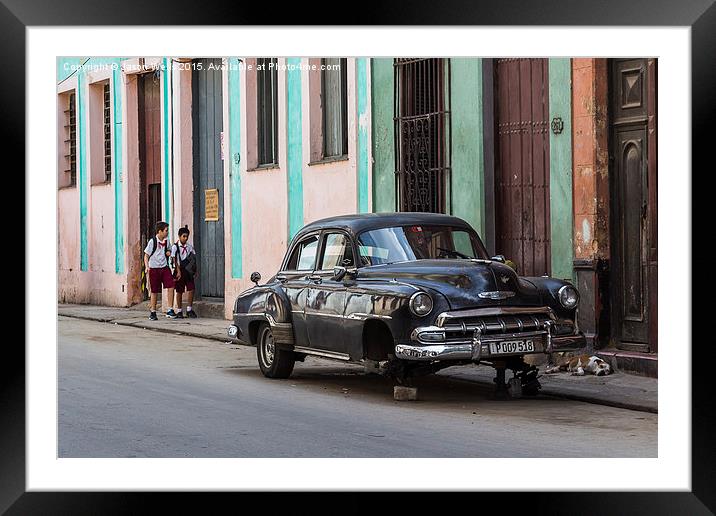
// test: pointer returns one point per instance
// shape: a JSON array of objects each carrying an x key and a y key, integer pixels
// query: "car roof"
[{"x": 359, "y": 222}]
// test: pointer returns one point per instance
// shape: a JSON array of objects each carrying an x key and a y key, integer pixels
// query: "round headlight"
[
  {"x": 568, "y": 296},
  {"x": 420, "y": 304}
]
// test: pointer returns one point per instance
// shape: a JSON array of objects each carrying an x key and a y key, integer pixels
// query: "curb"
[
  {"x": 569, "y": 396},
  {"x": 157, "y": 329},
  {"x": 225, "y": 339}
]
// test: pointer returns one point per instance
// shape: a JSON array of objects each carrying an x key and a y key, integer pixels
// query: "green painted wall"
[
  {"x": 363, "y": 165},
  {"x": 383, "y": 127},
  {"x": 118, "y": 179},
  {"x": 560, "y": 162},
  {"x": 82, "y": 168},
  {"x": 73, "y": 66},
  {"x": 468, "y": 172},
  {"x": 166, "y": 133},
  {"x": 295, "y": 147},
  {"x": 234, "y": 156}
]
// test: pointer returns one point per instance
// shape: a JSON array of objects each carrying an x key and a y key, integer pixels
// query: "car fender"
[{"x": 264, "y": 303}]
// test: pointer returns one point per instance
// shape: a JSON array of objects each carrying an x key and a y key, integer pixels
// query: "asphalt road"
[{"x": 127, "y": 392}]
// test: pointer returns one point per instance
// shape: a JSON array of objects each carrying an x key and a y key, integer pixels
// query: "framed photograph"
[{"x": 404, "y": 257}]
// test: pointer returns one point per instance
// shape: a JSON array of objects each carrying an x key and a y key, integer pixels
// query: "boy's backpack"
[
  {"x": 188, "y": 264},
  {"x": 154, "y": 248}
]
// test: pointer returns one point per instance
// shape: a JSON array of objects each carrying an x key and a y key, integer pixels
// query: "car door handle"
[
  {"x": 281, "y": 278},
  {"x": 315, "y": 278}
]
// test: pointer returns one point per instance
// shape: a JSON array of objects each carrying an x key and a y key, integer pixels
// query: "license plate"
[{"x": 512, "y": 346}]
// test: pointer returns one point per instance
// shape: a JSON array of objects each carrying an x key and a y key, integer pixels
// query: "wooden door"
[
  {"x": 522, "y": 228},
  {"x": 150, "y": 145},
  {"x": 633, "y": 250},
  {"x": 207, "y": 113}
]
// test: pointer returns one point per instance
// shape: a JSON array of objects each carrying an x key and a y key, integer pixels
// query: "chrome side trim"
[
  {"x": 322, "y": 353},
  {"x": 321, "y": 314},
  {"x": 360, "y": 315}
]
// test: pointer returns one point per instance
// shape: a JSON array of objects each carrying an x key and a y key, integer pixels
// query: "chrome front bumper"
[{"x": 424, "y": 345}]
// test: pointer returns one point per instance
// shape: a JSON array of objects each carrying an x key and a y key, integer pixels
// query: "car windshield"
[{"x": 404, "y": 243}]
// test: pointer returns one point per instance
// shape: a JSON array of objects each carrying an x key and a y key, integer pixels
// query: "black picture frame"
[{"x": 700, "y": 15}]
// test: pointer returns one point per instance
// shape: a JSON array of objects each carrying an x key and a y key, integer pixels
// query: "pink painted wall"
[
  {"x": 329, "y": 188},
  {"x": 68, "y": 229},
  {"x": 264, "y": 202},
  {"x": 183, "y": 171},
  {"x": 99, "y": 284},
  {"x": 130, "y": 159}
]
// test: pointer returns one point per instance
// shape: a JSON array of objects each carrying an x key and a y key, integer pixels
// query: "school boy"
[
  {"x": 185, "y": 258},
  {"x": 157, "y": 260}
]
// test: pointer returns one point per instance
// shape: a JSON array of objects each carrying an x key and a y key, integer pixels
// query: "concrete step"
[
  {"x": 210, "y": 309},
  {"x": 643, "y": 364}
]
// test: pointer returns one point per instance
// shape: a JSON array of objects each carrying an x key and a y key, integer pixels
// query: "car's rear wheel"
[{"x": 273, "y": 362}]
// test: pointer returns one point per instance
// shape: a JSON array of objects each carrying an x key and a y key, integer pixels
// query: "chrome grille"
[{"x": 490, "y": 322}]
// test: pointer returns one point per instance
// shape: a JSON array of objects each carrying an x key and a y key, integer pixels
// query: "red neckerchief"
[{"x": 183, "y": 251}]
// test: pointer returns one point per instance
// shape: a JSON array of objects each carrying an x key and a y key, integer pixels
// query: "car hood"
[{"x": 461, "y": 281}]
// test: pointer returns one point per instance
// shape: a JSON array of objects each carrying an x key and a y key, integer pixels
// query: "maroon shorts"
[
  {"x": 160, "y": 278},
  {"x": 182, "y": 284}
]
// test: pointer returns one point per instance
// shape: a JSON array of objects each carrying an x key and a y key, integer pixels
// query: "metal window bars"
[
  {"x": 71, "y": 138},
  {"x": 267, "y": 107},
  {"x": 422, "y": 137},
  {"x": 107, "y": 136}
]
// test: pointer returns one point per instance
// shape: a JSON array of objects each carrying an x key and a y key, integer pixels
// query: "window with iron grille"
[
  {"x": 267, "y": 108},
  {"x": 107, "y": 135},
  {"x": 335, "y": 107},
  {"x": 421, "y": 114},
  {"x": 71, "y": 140}
]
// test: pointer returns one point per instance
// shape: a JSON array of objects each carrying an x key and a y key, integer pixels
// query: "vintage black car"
[{"x": 405, "y": 294}]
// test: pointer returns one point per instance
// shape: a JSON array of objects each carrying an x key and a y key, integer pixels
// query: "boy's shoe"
[
  {"x": 180, "y": 315},
  {"x": 152, "y": 316},
  {"x": 171, "y": 314},
  {"x": 191, "y": 314}
]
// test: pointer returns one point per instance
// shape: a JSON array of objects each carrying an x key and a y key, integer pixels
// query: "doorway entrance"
[
  {"x": 208, "y": 168},
  {"x": 632, "y": 153},
  {"x": 521, "y": 181},
  {"x": 150, "y": 143}
]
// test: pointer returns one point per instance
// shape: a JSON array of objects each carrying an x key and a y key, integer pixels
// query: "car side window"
[
  {"x": 303, "y": 257},
  {"x": 337, "y": 251}
]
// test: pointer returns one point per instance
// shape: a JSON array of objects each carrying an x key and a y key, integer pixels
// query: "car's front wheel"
[{"x": 273, "y": 362}]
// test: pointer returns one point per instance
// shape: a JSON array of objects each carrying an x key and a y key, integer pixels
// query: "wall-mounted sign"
[{"x": 211, "y": 205}]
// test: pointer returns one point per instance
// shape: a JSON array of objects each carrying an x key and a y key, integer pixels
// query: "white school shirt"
[
  {"x": 184, "y": 251},
  {"x": 158, "y": 259}
]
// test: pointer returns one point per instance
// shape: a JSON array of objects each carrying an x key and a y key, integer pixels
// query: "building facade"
[
  {"x": 243, "y": 151},
  {"x": 553, "y": 161}
]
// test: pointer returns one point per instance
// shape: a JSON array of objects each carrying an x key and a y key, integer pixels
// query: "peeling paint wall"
[
  {"x": 382, "y": 84},
  {"x": 91, "y": 215},
  {"x": 591, "y": 159}
]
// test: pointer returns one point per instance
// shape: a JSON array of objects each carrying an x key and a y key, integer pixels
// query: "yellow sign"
[{"x": 211, "y": 210}]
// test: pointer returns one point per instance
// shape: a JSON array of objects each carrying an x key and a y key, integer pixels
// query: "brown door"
[
  {"x": 421, "y": 111},
  {"x": 633, "y": 216},
  {"x": 150, "y": 143},
  {"x": 522, "y": 230}
]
